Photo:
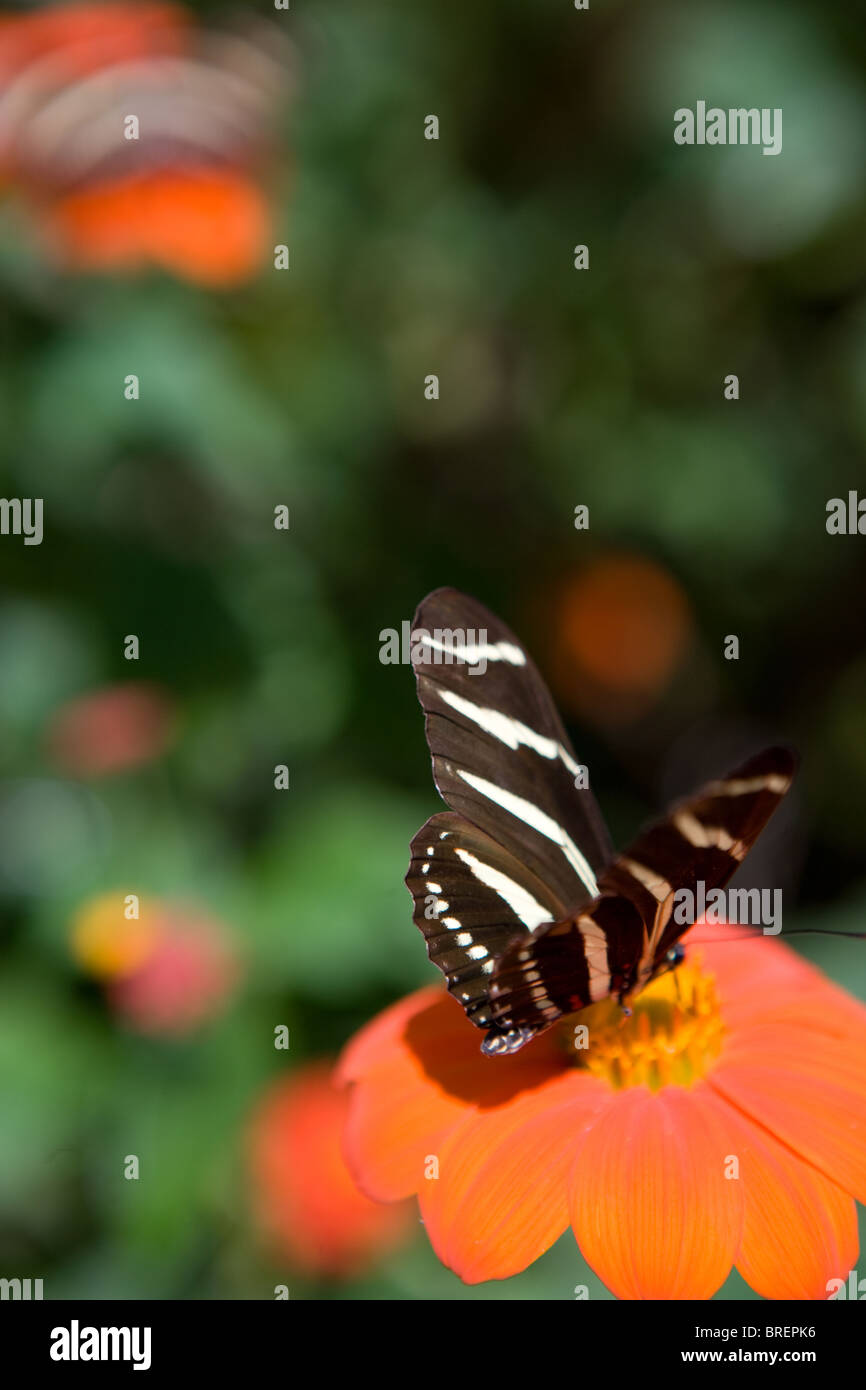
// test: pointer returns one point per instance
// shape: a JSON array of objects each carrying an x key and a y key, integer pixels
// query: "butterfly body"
[{"x": 524, "y": 905}]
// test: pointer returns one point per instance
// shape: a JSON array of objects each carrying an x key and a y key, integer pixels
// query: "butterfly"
[{"x": 524, "y": 904}]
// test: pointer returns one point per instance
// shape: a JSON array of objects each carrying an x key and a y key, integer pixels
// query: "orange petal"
[
  {"x": 207, "y": 226},
  {"x": 807, "y": 1089},
  {"x": 378, "y": 1038},
  {"x": 759, "y": 977},
  {"x": 395, "y": 1122},
  {"x": 418, "y": 1069},
  {"x": 500, "y": 1197},
  {"x": 651, "y": 1208},
  {"x": 799, "y": 1228}
]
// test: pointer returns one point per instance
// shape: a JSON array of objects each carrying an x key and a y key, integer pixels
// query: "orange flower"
[
  {"x": 206, "y": 225},
  {"x": 623, "y": 627},
  {"x": 305, "y": 1196},
  {"x": 723, "y": 1124},
  {"x": 73, "y": 40},
  {"x": 181, "y": 191}
]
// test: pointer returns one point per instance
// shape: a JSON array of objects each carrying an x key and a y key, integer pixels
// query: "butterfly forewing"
[
  {"x": 501, "y": 757},
  {"x": 523, "y": 844}
]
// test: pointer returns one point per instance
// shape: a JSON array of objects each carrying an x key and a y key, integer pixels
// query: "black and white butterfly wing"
[
  {"x": 501, "y": 757},
  {"x": 702, "y": 840},
  {"x": 526, "y": 845},
  {"x": 617, "y": 944},
  {"x": 471, "y": 899}
]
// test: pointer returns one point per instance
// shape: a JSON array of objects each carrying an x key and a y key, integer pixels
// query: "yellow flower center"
[{"x": 671, "y": 1039}]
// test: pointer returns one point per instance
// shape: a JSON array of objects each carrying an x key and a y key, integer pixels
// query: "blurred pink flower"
[
  {"x": 109, "y": 730},
  {"x": 186, "y": 978}
]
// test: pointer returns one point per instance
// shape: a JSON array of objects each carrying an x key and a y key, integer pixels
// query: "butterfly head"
[
  {"x": 674, "y": 957},
  {"x": 667, "y": 962},
  {"x": 663, "y": 964}
]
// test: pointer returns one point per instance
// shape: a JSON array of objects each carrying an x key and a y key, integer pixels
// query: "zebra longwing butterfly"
[{"x": 525, "y": 907}]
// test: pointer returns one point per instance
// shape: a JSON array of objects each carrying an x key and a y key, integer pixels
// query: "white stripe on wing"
[
  {"x": 509, "y": 731},
  {"x": 522, "y": 903},
  {"x": 472, "y": 652},
  {"x": 538, "y": 820}
]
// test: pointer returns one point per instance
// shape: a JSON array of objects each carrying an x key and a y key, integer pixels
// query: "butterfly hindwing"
[
  {"x": 471, "y": 898},
  {"x": 567, "y": 966},
  {"x": 703, "y": 839},
  {"x": 618, "y": 943}
]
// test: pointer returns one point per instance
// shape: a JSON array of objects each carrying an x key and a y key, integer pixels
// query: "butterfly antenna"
[
  {"x": 795, "y": 931},
  {"x": 825, "y": 931}
]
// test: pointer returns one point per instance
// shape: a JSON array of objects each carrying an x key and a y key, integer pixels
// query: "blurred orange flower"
[
  {"x": 622, "y": 628},
  {"x": 206, "y": 225},
  {"x": 72, "y": 40},
  {"x": 109, "y": 730},
  {"x": 305, "y": 1197},
  {"x": 180, "y": 189},
  {"x": 106, "y": 943},
  {"x": 723, "y": 1124},
  {"x": 166, "y": 971}
]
